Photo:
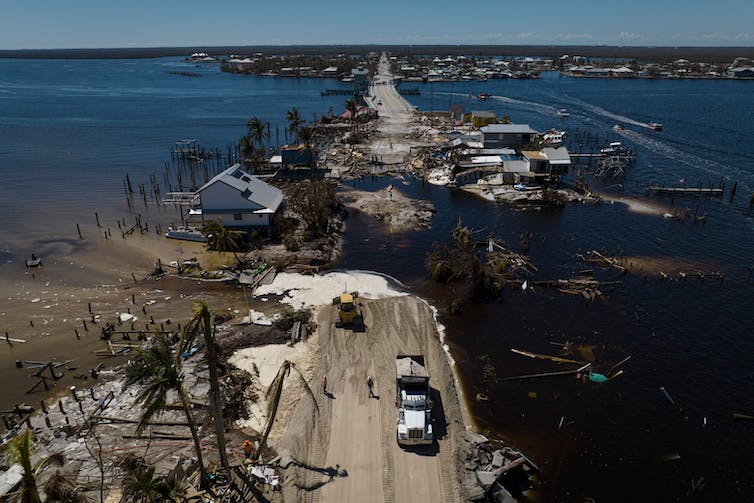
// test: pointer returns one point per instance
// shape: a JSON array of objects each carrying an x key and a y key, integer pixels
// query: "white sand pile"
[
  {"x": 302, "y": 291},
  {"x": 263, "y": 364}
]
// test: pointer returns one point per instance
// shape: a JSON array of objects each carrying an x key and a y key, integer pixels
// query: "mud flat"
[{"x": 391, "y": 206}]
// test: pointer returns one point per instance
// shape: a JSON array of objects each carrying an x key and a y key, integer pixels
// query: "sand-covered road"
[
  {"x": 363, "y": 430},
  {"x": 348, "y": 449}
]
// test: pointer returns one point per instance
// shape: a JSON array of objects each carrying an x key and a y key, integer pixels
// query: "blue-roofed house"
[{"x": 240, "y": 201}]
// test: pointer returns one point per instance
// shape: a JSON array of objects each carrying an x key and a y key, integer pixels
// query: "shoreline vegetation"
[{"x": 176, "y": 418}]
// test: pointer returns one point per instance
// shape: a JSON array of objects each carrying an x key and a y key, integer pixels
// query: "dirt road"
[{"x": 359, "y": 458}]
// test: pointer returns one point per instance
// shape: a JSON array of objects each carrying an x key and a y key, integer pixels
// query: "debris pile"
[{"x": 488, "y": 468}]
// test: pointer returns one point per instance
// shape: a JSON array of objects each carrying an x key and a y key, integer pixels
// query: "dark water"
[{"x": 69, "y": 130}]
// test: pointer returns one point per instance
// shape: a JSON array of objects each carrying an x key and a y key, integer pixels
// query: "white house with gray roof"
[{"x": 240, "y": 200}]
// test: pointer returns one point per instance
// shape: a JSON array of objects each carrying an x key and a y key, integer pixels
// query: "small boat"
[
  {"x": 618, "y": 127},
  {"x": 563, "y": 113},
  {"x": 655, "y": 125},
  {"x": 439, "y": 176},
  {"x": 185, "y": 234},
  {"x": 615, "y": 147},
  {"x": 554, "y": 137},
  {"x": 483, "y": 96},
  {"x": 522, "y": 187},
  {"x": 34, "y": 261}
]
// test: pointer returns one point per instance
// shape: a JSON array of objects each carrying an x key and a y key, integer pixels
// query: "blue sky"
[{"x": 38, "y": 24}]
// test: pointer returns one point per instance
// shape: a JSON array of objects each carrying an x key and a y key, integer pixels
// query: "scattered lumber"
[
  {"x": 595, "y": 257},
  {"x": 546, "y": 374},
  {"x": 743, "y": 417},
  {"x": 114, "y": 419},
  {"x": 156, "y": 436},
  {"x": 546, "y": 357}
]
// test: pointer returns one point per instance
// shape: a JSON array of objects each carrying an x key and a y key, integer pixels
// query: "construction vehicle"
[
  {"x": 348, "y": 311},
  {"x": 413, "y": 401}
]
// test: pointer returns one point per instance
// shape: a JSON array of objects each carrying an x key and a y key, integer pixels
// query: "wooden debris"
[
  {"x": 546, "y": 357},
  {"x": 743, "y": 417},
  {"x": 595, "y": 257},
  {"x": 545, "y": 374}
]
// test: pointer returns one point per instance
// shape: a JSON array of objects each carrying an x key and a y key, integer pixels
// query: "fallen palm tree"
[
  {"x": 487, "y": 266},
  {"x": 595, "y": 257}
]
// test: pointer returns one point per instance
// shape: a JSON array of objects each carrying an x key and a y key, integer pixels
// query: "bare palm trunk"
[
  {"x": 186, "y": 401},
  {"x": 217, "y": 401}
]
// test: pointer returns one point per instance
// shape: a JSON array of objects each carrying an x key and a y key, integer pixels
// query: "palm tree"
[
  {"x": 159, "y": 372},
  {"x": 20, "y": 449},
  {"x": 258, "y": 131},
  {"x": 294, "y": 121},
  {"x": 141, "y": 485},
  {"x": 306, "y": 134},
  {"x": 221, "y": 238},
  {"x": 246, "y": 146},
  {"x": 201, "y": 324},
  {"x": 354, "y": 109},
  {"x": 274, "y": 392}
]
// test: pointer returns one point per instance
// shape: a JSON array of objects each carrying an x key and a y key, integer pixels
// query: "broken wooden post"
[
  {"x": 667, "y": 395},
  {"x": 79, "y": 231}
]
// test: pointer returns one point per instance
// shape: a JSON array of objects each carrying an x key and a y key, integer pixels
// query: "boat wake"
[
  {"x": 705, "y": 165},
  {"x": 529, "y": 105},
  {"x": 597, "y": 110}
]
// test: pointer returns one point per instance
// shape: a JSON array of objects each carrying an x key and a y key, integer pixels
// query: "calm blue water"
[{"x": 70, "y": 130}]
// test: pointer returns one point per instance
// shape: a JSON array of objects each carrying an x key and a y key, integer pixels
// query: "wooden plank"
[{"x": 547, "y": 357}]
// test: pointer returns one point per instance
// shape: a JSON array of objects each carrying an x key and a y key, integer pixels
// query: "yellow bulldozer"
[{"x": 349, "y": 313}]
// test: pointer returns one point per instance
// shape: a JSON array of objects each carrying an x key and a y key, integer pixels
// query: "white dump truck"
[{"x": 413, "y": 401}]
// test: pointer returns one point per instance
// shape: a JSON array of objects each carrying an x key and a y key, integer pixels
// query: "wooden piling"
[
  {"x": 96, "y": 217},
  {"x": 78, "y": 229}
]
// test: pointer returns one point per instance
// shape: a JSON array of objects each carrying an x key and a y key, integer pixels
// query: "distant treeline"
[{"x": 646, "y": 54}]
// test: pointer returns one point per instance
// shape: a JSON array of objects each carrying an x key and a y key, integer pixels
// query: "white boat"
[
  {"x": 34, "y": 261},
  {"x": 185, "y": 234},
  {"x": 563, "y": 113},
  {"x": 522, "y": 187},
  {"x": 554, "y": 137},
  {"x": 655, "y": 125},
  {"x": 617, "y": 127},
  {"x": 615, "y": 147},
  {"x": 439, "y": 177}
]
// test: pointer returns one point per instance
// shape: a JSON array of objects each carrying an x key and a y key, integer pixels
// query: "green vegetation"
[{"x": 159, "y": 373}]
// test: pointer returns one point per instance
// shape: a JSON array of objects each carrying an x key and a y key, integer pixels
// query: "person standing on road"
[
  {"x": 370, "y": 384},
  {"x": 324, "y": 384}
]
